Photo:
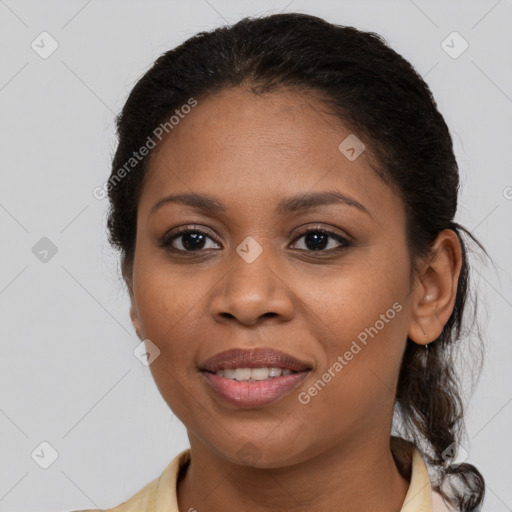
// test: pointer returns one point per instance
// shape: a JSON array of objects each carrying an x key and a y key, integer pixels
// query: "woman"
[{"x": 283, "y": 196}]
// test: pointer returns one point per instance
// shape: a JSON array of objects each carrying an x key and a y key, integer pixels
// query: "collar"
[{"x": 417, "y": 499}]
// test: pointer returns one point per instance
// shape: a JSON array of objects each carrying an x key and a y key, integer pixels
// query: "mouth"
[
  {"x": 253, "y": 374},
  {"x": 253, "y": 393},
  {"x": 253, "y": 378},
  {"x": 258, "y": 359}
]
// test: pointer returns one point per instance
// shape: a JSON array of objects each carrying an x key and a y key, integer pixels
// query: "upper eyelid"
[
  {"x": 205, "y": 230},
  {"x": 329, "y": 230}
]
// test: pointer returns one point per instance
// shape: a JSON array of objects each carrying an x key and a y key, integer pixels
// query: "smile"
[{"x": 253, "y": 387}]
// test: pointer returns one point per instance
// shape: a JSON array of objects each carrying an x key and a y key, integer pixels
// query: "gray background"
[{"x": 67, "y": 372}]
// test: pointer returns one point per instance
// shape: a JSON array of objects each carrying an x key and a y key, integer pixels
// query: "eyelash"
[{"x": 166, "y": 242}]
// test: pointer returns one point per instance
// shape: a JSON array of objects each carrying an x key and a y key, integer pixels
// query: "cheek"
[
  {"x": 166, "y": 308},
  {"x": 361, "y": 320},
  {"x": 355, "y": 385},
  {"x": 364, "y": 298},
  {"x": 166, "y": 304}
]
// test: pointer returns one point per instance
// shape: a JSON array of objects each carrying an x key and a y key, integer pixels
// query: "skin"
[{"x": 251, "y": 152}]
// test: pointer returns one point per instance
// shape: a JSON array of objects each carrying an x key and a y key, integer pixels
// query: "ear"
[
  {"x": 435, "y": 288},
  {"x": 134, "y": 316},
  {"x": 127, "y": 271}
]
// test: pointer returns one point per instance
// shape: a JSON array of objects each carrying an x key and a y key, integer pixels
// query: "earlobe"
[
  {"x": 135, "y": 322},
  {"x": 128, "y": 279},
  {"x": 435, "y": 294}
]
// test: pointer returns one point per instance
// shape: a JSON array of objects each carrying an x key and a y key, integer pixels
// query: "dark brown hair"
[{"x": 377, "y": 93}]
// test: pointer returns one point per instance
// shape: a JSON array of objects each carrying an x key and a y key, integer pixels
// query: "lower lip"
[{"x": 254, "y": 394}]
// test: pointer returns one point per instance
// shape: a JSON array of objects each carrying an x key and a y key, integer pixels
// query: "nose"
[{"x": 253, "y": 291}]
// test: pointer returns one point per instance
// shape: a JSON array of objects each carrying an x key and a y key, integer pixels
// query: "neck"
[{"x": 353, "y": 477}]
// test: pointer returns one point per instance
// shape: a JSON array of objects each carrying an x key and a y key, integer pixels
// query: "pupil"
[
  {"x": 193, "y": 241},
  {"x": 318, "y": 241}
]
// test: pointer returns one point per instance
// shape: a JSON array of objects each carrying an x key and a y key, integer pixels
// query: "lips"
[
  {"x": 256, "y": 394},
  {"x": 253, "y": 358}
]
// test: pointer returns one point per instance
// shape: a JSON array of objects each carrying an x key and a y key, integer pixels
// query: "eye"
[
  {"x": 188, "y": 239},
  {"x": 317, "y": 239}
]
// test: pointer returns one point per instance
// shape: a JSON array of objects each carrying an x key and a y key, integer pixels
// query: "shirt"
[{"x": 160, "y": 495}]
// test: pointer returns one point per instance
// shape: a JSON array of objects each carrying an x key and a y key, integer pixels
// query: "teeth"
[
  {"x": 274, "y": 372},
  {"x": 228, "y": 373},
  {"x": 242, "y": 373},
  {"x": 253, "y": 374}
]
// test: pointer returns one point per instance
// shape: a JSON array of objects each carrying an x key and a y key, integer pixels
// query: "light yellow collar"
[
  {"x": 417, "y": 499},
  {"x": 160, "y": 495}
]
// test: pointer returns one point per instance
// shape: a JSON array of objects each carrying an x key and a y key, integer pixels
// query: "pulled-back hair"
[{"x": 378, "y": 94}]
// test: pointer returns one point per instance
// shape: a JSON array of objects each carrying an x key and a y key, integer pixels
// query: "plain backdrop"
[{"x": 68, "y": 375}]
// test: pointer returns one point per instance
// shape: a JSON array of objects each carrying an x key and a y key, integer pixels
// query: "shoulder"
[
  {"x": 420, "y": 495},
  {"x": 439, "y": 505},
  {"x": 157, "y": 495},
  {"x": 143, "y": 500}
]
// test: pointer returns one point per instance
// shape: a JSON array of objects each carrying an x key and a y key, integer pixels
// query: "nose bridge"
[{"x": 252, "y": 287}]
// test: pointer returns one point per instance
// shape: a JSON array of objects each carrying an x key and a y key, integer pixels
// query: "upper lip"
[{"x": 253, "y": 358}]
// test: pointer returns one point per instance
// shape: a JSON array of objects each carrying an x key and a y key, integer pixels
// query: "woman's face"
[{"x": 254, "y": 279}]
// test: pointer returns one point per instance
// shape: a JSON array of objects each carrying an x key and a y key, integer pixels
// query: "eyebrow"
[{"x": 210, "y": 205}]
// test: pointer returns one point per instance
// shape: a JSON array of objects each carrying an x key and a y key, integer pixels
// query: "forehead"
[{"x": 245, "y": 147}]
